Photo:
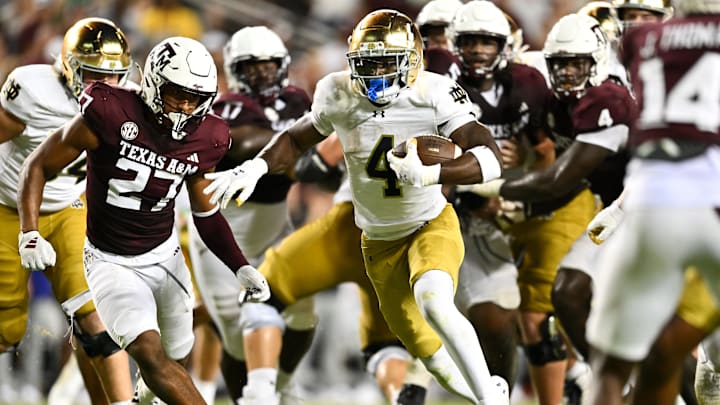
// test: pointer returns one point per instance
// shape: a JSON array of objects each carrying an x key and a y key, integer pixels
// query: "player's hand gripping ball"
[{"x": 431, "y": 149}]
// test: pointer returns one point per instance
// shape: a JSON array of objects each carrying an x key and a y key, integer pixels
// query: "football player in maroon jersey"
[
  {"x": 259, "y": 102},
  {"x": 512, "y": 100},
  {"x": 35, "y": 100},
  {"x": 141, "y": 148},
  {"x": 590, "y": 116},
  {"x": 671, "y": 190}
]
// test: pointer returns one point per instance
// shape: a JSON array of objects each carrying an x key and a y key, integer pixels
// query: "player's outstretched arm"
[
  {"x": 217, "y": 235},
  {"x": 60, "y": 149},
  {"x": 57, "y": 151},
  {"x": 279, "y": 155}
]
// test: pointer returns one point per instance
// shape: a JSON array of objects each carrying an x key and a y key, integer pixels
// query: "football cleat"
[
  {"x": 572, "y": 392},
  {"x": 501, "y": 392},
  {"x": 142, "y": 394},
  {"x": 411, "y": 394}
]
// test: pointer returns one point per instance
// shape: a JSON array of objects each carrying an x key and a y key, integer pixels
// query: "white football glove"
[
  {"x": 36, "y": 253},
  {"x": 487, "y": 189},
  {"x": 510, "y": 213},
  {"x": 253, "y": 286},
  {"x": 410, "y": 170},
  {"x": 226, "y": 183},
  {"x": 605, "y": 223}
]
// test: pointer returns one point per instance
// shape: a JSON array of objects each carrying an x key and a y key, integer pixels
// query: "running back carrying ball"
[{"x": 432, "y": 149}]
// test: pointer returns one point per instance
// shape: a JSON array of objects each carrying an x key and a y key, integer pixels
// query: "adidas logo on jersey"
[{"x": 193, "y": 158}]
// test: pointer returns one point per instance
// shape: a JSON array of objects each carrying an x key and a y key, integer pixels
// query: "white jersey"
[
  {"x": 36, "y": 96},
  {"x": 434, "y": 104},
  {"x": 343, "y": 193}
]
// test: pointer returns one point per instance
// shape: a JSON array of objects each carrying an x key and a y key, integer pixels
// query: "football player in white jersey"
[
  {"x": 35, "y": 100},
  {"x": 411, "y": 239}
]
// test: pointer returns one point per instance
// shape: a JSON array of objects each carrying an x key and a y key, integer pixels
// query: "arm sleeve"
[{"x": 215, "y": 232}]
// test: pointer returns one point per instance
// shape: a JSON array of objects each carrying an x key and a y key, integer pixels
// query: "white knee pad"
[
  {"x": 179, "y": 348},
  {"x": 434, "y": 295},
  {"x": 301, "y": 315},
  {"x": 255, "y": 315},
  {"x": 388, "y": 352}
]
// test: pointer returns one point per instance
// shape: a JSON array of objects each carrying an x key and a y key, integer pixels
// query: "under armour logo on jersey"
[
  {"x": 129, "y": 130},
  {"x": 193, "y": 158},
  {"x": 379, "y": 113},
  {"x": 458, "y": 94}
]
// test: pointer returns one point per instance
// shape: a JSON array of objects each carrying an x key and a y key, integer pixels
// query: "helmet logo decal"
[
  {"x": 163, "y": 57},
  {"x": 372, "y": 46},
  {"x": 129, "y": 130},
  {"x": 600, "y": 34}
]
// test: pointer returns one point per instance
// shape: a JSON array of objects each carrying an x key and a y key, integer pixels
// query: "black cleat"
[
  {"x": 573, "y": 393},
  {"x": 411, "y": 394}
]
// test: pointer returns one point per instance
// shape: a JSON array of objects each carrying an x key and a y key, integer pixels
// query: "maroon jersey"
[
  {"x": 522, "y": 107},
  {"x": 137, "y": 171},
  {"x": 675, "y": 72},
  {"x": 603, "y": 106},
  {"x": 281, "y": 112},
  {"x": 442, "y": 62}
]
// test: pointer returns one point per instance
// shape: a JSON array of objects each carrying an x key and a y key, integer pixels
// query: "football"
[{"x": 431, "y": 149}]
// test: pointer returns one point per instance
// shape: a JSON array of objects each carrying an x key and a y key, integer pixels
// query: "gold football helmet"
[
  {"x": 606, "y": 15},
  {"x": 660, "y": 7},
  {"x": 385, "y": 55},
  {"x": 516, "y": 38},
  {"x": 96, "y": 45}
]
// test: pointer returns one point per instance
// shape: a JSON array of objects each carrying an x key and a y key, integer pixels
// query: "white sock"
[
  {"x": 121, "y": 403},
  {"x": 68, "y": 384},
  {"x": 448, "y": 374},
  {"x": 261, "y": 382},
  {"x": 417, "y": 374},
  {"x": 434, "y": 294},
  {"x": 577, "y": 369},
  {"x": 207, "y": 390}
]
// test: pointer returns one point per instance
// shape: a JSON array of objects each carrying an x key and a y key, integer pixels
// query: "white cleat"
[
  {"x": 501, "y": 392},
  {"x": 143, "y": 395},
  {"x": 291, "y": 395},
  {"x": 270, "y": 400}
]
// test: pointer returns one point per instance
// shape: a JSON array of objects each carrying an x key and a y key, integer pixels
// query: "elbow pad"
[{"x": 312, "y": 168}]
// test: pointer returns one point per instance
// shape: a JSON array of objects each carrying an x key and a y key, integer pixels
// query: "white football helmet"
[
  {"x": 252, "y": 44},
  {"x": 187, "y": 64},
  {"x": 688, "y": 7},
  {"x": 95, "y": 45},
  {"x": 384, "y": 38},
  {"x": 482, "y": 17},
  {"x": 436, "y": 13},
  {"x": 577, "y": 36}
]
